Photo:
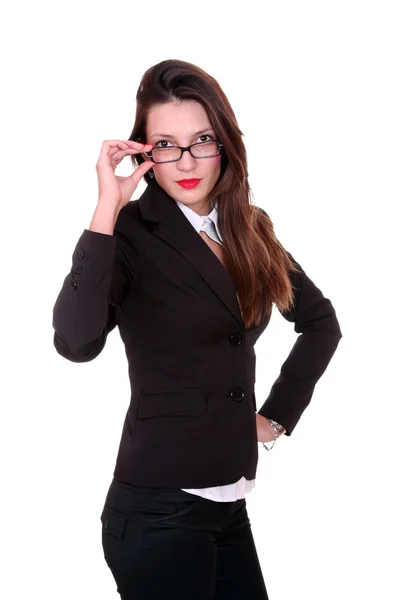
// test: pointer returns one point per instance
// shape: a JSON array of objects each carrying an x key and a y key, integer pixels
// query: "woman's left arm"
[{"x": 315, "y": 320}]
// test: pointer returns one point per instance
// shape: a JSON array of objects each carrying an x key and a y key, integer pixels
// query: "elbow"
[
  {"x": 335, "y": 327},
  {"x": 322, "y": 319},
  {"x": 84, "y": 353}
]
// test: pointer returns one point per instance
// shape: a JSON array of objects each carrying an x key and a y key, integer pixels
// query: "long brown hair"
[{"x": 255, "y": 259}]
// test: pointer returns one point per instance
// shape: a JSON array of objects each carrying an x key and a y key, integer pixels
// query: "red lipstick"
[{"x": 188, "y": 184}]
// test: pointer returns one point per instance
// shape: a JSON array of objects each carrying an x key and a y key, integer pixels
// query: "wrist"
[
  {"x": 104, "y": 218},
  {"x": 278, "y": 431},
  {"x": 278, "y": 428}
]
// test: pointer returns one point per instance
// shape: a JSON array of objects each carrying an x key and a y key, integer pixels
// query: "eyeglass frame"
[{"x": 183, "y": 149}]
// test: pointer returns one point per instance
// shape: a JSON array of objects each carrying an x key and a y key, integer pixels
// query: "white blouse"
[{"x": 231, "y": 491}]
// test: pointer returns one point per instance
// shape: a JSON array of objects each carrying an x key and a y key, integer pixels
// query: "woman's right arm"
[{"x": 91, "y": 299}]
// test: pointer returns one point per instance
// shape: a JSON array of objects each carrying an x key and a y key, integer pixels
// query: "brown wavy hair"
[{"x": 255, "y": 259}]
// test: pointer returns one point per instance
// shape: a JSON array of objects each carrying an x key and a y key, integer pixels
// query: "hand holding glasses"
[{"x": 115, "y": 190}]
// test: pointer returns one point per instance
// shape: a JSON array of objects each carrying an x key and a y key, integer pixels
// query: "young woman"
[{"x": 189, "y": 272}]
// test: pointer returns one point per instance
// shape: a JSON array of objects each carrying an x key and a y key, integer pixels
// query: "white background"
[{"x": 315, "y": 89}]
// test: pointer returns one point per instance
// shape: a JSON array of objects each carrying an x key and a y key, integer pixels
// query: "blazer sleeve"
[
  {"x": 315, "y": 319},
  {"x": 90, "y": 302}
]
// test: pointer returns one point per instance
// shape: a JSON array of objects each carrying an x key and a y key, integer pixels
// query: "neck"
[{"x": 202, "y": 208}]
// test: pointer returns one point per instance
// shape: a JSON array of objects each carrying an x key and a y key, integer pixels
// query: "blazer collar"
[{"x": 173, "y": 227}]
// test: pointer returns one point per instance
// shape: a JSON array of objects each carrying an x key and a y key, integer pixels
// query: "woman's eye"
[
  {"x": 162, "y": 142},
  {"x": 205, "y": 135}
]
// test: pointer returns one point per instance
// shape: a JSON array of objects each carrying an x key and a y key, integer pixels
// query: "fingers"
[
  {"x": 116, "y": 149},
  {"x": 140, "y": 171},
  {"x": 136, "y": 149}
]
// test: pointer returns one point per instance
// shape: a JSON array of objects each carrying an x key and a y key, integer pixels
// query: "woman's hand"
[
  {"x": 113, "y": 189},
  {"x": 265, "y": 431}
]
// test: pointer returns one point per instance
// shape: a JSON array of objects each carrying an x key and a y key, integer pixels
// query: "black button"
[
  {"x": 78, "y": 269},
  {"x": 81, "y": 254},
  {"x": 237, "y": 394},
  {"x": 236, "y": 339},
  {"x": 74, "y": 283},
  {"x": 106, "y": 523}
]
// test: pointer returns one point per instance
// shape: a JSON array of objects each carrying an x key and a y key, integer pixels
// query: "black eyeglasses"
[{"x": 174, "y": 153}]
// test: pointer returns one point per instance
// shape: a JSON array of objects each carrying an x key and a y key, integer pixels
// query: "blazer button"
[
  {"x": 236, "y": 339},
  {"x": 106, "y": 523},
  {"x": 237, "y": 394},
  {"x": 74, "y": 283},
  {"x": 78, "y": 269},
  {"x": 81, "y": 254}
]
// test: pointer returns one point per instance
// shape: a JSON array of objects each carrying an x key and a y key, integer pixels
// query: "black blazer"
[{"x": 191, "y": 418}]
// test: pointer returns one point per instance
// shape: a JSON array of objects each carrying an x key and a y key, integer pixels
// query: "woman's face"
[{"x": 178, "y": 125}]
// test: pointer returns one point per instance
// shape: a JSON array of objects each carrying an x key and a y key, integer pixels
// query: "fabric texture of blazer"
[{"x": 191, "y": 418}]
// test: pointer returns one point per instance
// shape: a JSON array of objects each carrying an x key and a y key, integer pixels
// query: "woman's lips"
[{"x": 189, "y": 184}]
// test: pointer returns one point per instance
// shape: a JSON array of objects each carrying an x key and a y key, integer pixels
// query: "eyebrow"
[{"x": 171, "y": 137}]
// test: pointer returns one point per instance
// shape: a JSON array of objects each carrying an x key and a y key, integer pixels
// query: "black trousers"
[{"x": 164, "y": 543}]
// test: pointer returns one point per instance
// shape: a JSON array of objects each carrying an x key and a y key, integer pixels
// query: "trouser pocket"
[
  {"x": 122, "y": 539},
  {"x": 113, "y": 525}
]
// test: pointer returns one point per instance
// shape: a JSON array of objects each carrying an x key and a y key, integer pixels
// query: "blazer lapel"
[{"x": 172, "y": 226}]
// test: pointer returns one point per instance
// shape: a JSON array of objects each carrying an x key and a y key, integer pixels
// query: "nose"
[{"x": 187, "y": 163}]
